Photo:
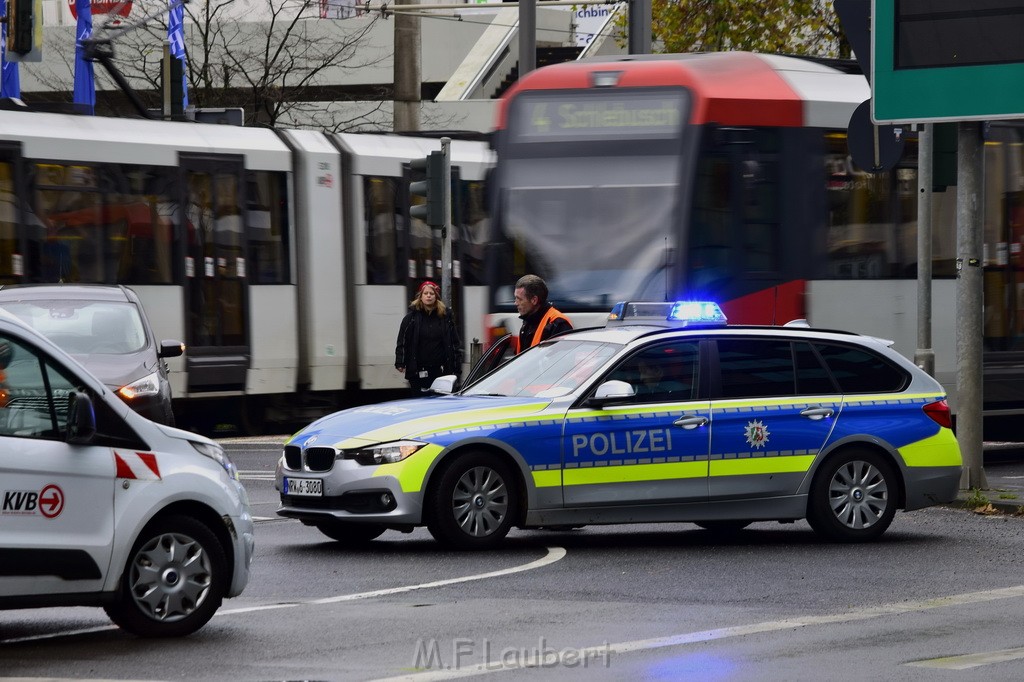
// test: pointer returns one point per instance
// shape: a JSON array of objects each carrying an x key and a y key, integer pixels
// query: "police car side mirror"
[
  {"x": 611, "y": 391},
  {"x": 445, "y": 384},
  {"x": 81, "y": 419}
]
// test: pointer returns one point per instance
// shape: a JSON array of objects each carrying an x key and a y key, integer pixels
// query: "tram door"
[{"x": 217, "y": 326}]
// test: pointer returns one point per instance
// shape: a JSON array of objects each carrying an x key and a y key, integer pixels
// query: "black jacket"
[{"x": 408, "y": 342}]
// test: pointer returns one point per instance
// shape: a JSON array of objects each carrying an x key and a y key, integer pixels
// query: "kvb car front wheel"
[
  {"x": 475, "y": 503},
  {"x": 175, "y": 579},
  {"x": 853, "y": 497}
]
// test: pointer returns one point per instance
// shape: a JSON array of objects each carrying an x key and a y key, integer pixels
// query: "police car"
[
  {"x": 101, "y": 507},
  {"x": 666, "y": 415}
]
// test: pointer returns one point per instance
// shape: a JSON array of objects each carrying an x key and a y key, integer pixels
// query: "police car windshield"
[{"x": 552, "y": 369}]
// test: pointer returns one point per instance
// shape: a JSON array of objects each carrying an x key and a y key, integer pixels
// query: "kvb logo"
[{"x": 49, "y": 502}]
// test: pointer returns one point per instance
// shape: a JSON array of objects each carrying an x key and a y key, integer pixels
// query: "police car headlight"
[
  {"x": 388, "y": 453},
  {"x": 147, "y": 385},
  {"x": 217, "y": 454}
]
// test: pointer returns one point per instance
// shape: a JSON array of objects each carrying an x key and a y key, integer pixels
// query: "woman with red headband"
[{"x": 428, "y": 342}]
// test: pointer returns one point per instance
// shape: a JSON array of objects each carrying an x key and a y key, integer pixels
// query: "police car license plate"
[{"x": 310, "y": 487}]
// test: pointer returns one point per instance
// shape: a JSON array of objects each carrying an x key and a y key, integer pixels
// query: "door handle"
[
  {"x": 817, "y": 413},
  {"x": 691, "y": 421}
]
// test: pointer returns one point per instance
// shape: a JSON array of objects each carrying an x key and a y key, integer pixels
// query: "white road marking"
[
  {"x": 968, "y": 661},
  {"x": 603, "y": 650},
  {"x": 255, "y": 475},
  {"x": 554, "y": 554}
]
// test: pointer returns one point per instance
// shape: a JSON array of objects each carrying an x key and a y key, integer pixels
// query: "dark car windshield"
[
  {"x": 84, "y": 327},
  {"x": 552, "y": 369}
]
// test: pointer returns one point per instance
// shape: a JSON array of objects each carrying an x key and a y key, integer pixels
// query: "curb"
[{"x": 968, "y": 499}]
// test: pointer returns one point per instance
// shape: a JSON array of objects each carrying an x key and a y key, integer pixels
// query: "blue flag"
[
  {"x": 85, "y": 84},
  {"x": 176, "y": 36},
  {"x": 10, "y": 80}
]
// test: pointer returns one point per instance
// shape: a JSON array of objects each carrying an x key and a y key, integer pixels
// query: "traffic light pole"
[
  {"x": 446, "y": 229},
  {"x": 436, "y": 208}
]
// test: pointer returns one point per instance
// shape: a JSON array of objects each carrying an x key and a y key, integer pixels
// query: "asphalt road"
[{"x": 940, "y": 597}]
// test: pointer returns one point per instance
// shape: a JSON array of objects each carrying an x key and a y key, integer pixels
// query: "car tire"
[
  {"x": 474, "y": 504},
  {"x": 853, "y": 497},
  {"x": 174, "y": 581},
  {"x": 351, "y": 534}
]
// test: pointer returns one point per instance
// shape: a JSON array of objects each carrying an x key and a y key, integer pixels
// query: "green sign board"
[{"x": 947, "y": 60}]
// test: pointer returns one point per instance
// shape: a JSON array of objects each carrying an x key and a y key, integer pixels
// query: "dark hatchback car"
[{"x": 105, "y": 328}]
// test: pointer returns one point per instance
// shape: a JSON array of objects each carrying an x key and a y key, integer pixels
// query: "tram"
[
  {"x": 727, "y": 176},
  {"x": 285, "y": 259}
]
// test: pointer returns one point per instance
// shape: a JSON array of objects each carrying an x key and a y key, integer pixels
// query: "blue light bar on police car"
[
  {"x": 667, "y": 314},
  {"x": 697, "y": 312}
]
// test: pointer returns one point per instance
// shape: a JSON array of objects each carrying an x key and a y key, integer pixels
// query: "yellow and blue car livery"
[{"x": 590, "y": 449}]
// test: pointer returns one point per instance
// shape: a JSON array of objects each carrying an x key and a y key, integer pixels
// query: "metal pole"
[
  {"x": 969, "y": 302},
  {"x": 924, "y": 356},
  {"x": 527, "y": 36},
  {"x": 408, "y": 81},
  {"x": 166, "y": 85},
  {"x": 446, "y": 231},
  {"x": 640, "y": 16}
]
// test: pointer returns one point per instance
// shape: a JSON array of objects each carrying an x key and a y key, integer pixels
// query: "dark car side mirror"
[
  {"x": 81, "y": 419},
  {"x": 170, "y": 348}
]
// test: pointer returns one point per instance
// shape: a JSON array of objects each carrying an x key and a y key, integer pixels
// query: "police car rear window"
[
  {"x": 858, "y": 370},
  {"x": 764, "y": 368}
]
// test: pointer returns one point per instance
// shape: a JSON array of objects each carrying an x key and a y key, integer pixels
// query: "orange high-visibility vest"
[{"x": 549, "y": 317}]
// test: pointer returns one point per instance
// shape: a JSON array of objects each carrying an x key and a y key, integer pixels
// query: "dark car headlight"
[{"x": 146, "y": 386}]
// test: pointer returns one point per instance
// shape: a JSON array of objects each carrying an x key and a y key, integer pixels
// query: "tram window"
[
  {"x": 711, "y": 258},
  {"x": 872, "y": 228},
  {"x": 101, "y": 224},
  {"x": 472, "y": 233},
  {"x": 383, "y": 224},
  {"x": 9, "y": 249},
  {"x": 266, "y": 219},
  {"x": 761, "y": 242}
]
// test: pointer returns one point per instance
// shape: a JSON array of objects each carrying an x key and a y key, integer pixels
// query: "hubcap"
[
  {"x": 170, "y": 577},
  {"x": 480, "y": 501},
  {"x": 858, "y": 495}
]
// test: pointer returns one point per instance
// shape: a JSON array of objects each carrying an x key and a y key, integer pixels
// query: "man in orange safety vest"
[{"x": 541, "y": 320}]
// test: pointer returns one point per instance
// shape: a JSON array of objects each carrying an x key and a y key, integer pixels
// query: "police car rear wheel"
[
  {"x": 853, "y": 498},
  {"x": 351, "y": 533},
  {"x": 475, "y": 503},
  {"x": 175, "y": 579}
]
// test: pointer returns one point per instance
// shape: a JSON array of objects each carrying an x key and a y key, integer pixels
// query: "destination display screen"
[
  {"x": 598, "y": 114},
  {"x": 944, "y": 33}
]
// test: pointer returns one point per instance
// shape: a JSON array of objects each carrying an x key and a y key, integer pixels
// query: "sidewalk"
[
  {"x": 991, "y": 501},
  {"x": 1004, "y": 478}
]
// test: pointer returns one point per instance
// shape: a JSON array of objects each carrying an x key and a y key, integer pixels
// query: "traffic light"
[
  {"x": 432, "y": 190},
  {"x": 24, "y": 30}
]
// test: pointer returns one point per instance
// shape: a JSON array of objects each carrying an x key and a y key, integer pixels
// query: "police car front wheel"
[
  {"x": 474, "y": 504},
  {"x": 853, "y": 497},
  {"x": 174, "y": 581}
]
